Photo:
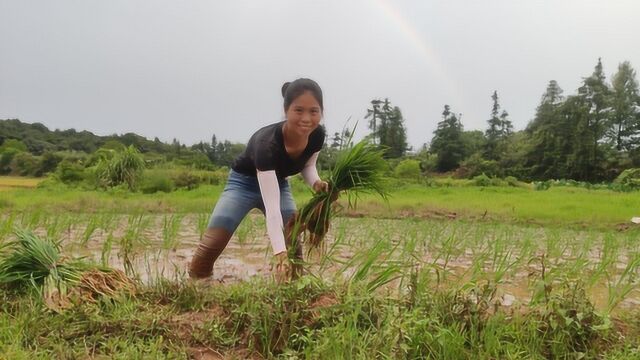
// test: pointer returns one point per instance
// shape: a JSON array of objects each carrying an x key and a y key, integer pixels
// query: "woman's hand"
[
  {"x": 321, "y": 186},
  {"x": 283, "y": 267}
]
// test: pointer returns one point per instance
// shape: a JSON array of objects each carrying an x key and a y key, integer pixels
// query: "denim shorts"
[{"x": 240, "y": 195}]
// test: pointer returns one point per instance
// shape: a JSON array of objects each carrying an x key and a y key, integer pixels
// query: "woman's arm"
[
  {"x": 310, "y": 172},
  {"x": 270, "y": 190}
]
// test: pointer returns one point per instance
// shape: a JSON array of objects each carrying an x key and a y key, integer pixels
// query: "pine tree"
[
  {"x": 506, "y": 127},
  {"x": 387, "y": 125},
  {"x": 500, "y": 128},
  {"x": 591, "y": 112},
  {"x": 447, "y": 141},
  {"x": 546, "y": 157},
  {"x": 373, "y": 116},
  {"x": 625, "y": 119},
  {"x": 395, "y": 135},
  {"x": 212, "y": 154},
  {"x": 336, "y": 141}
]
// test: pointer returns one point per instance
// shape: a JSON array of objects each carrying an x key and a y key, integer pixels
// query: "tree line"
[
  {"x": 592, "y": 135},
  {"x": 34, "y": 150}
]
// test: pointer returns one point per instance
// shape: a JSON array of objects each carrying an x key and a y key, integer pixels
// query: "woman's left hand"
[{"x": 321, "y": 186}]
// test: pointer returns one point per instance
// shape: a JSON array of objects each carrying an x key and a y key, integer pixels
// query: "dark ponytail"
[
  {"x": 291, "y": 90},
  {"x": 285, "y": 86}
]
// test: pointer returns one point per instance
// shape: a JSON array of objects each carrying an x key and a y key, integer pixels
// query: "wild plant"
[
  {"x": 105, "y": 252},
  {"x": 6, "y": 225},
  {"x": 620, "y": 286},
  {"x": 170, "y": 229},
  {"x": 202, "y": 220},
  {"x": 92, "y": 225},
  {"x": 31, "y": 219},
  {"x": 133, "y": 238}
]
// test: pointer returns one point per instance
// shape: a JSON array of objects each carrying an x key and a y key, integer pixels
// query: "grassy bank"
[
  {"x": 558, "y": 206},
  {"x": 310, "y": 319}
]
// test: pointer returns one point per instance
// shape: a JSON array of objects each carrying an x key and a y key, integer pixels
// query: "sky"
[{"x": 191, "y": 69}]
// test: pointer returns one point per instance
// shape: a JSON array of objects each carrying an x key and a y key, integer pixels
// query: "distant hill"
[{"x": 39, "y": 139}]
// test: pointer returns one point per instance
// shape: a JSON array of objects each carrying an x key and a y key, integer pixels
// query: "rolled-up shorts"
[{"x": 242, "y": 194}]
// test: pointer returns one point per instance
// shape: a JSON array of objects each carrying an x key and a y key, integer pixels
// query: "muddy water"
[
  {"x": 246, "y": 255},
  {"x": 449, "y": 248}
]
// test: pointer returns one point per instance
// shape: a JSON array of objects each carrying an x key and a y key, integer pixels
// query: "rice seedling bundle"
[
  {"x": 32, "y": 261},
  {"x": 358, "y": 170}
]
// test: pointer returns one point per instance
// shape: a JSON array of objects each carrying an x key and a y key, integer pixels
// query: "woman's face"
[{"x": 304, "y": 115}]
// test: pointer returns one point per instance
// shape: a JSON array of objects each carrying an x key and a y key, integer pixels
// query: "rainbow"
[{"x": 432, "y": 61}]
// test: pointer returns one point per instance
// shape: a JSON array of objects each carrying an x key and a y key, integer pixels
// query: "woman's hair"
[{"x": 291, "y": 90}]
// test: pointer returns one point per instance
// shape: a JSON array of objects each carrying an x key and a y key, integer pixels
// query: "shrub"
[
  {"x": 155, "y": 181},
  {"x": 69, "y": 172},
  {"x": 542, "y": 185},
  {"x": 48, "y": 163},
  {"x": 629, "y": 178},
  {"x": 511, "y": 181},
  {"x": 482, "y": 180},
  {"x": 6, "y": 157},
  {"x": 408, "y": 169},
  {"x": 215, "y": 177},
  {"x": 186, "y": 180},
  {"x": 475, "y": 165},
  {"x": 124, "y": 167},
  {"x": 24, "y": 164}
]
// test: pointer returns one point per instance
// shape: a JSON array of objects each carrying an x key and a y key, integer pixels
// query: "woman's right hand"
[{"x": 283, "y": 267}]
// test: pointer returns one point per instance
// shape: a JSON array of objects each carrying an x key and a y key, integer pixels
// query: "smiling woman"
[{"x": 258, "y": 178}]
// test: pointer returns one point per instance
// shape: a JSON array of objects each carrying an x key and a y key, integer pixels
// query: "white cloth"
[
  {"x": 270, "y": 190},
  {"x": 310, "y": 172}
]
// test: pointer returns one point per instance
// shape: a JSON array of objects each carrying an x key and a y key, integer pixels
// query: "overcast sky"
[{"x": 189, "y": 69}]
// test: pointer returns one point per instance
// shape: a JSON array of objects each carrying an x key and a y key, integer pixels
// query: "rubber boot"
[{"x": 209, "y": 249}]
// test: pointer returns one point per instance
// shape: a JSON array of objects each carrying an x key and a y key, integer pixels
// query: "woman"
[{"x": 258, "y": 177}]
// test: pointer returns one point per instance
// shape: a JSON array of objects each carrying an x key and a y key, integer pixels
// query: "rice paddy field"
[{"x": 435, "y": 273}]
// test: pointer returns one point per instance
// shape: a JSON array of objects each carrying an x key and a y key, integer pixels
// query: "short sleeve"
[
  {"x": 264, "y": 158},
  {"x": 317, "y": 139}
]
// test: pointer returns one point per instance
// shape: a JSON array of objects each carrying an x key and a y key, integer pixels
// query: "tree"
[
  {"x": 227, "y": 152},
  {"x": 625, "y": 120},
  {"x": 372, "y": 115},
  {"x": 394, "y": 137},
  {"x": 212, "y": 154},
  {"x": 447, "y": 141},
  {"x": 499, "y": 129},
  {"x": 13, "y": 144},
  {"x": 48, "y": 163},
  {"x": 547, "y": 150},
  {"x": 590, "y": 113},
  {"x": 336, "y": 141},
  {"x": 387, "y": 125},
  {"x": 474, "y": 141}
]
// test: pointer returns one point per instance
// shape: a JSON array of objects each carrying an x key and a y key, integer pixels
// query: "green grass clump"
[
  {"x": 36, "y": 261},
  {"x": 32, "y": 261}
]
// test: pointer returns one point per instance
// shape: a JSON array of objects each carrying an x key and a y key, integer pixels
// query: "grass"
[
  {"x": 307, "y": 319},
  {"x": 558, "y": 206}
]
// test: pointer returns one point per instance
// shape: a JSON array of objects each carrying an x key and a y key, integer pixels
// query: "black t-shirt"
[{"x": 266, "y": 151}]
